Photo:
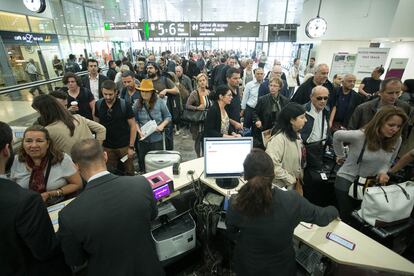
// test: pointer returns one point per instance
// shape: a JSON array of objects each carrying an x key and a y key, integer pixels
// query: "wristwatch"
[{"x": 131, "y": 147}]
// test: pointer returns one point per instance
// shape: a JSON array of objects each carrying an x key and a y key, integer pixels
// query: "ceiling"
[{"x": 265, "y": 11}]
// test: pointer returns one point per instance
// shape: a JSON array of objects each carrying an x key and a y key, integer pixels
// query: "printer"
[{"x": 175, "y": 237}]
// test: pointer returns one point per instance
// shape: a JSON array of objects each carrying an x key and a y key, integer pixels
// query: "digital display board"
[
  {"x": 282, "y": 32},
  {"x": 168, "y": 29},
  {"x": 225, "y": 29},
  {"x": 27, "y": 38}
]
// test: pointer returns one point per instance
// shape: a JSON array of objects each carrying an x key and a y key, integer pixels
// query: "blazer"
[
  {"x": 27, "y": 240},
  {"x": 101, "y": 79},
  {"x": 109, "y": 226},
  {"x": 212, "y": 124}
]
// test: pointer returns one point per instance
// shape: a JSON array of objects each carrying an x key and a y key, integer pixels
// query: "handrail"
[{"x": 13, "y": 88}]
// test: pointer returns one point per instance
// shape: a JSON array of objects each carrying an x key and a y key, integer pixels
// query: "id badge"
[
  {"x": 362, "y": 180},
  {"x": 323, "y": 176}
]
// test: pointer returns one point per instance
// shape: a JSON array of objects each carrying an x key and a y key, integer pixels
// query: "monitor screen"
[
  {"x": 161, "y": 191},
  {"x": 224, "y": 157}
]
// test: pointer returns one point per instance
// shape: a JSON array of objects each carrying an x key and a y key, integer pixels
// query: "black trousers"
[
  {"x": 248, "y": 117},
  {"x": 144, "y": 148},
  {"x": 346, "y": 204}
]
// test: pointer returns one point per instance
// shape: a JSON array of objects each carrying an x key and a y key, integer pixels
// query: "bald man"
[
  {"x": 315, "y": 135},
  {"x": 344, "y": 101},
  {"x": 320, "y": 78},
  {"x": 276, "y": 72}
]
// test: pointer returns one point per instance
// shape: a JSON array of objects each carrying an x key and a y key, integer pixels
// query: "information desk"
[{"x": 367, "y": 253}]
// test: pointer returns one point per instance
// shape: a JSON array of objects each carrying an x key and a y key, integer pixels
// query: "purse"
[
  {"x": 387, "y": 205},
  {"x": 194, "y": 116},
  {"x": 357, "y": 189}
]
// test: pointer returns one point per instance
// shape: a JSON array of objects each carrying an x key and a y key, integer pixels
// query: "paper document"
[{"x": 148, "y": 129}]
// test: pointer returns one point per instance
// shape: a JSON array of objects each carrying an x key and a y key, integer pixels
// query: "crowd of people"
[{"x": 91, "y": 130}]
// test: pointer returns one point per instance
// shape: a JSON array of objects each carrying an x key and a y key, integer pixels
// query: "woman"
[
  {"x": 198, "y": 101},
  {"x": 267, "y": 110},
  {"x": 147, "y": 108},
  {"x": 80, "y": 99},
  {"x": 372, "y": 150},
  {"x": 293, "y": 76},
  {"x": 248, "y": 72},
  {"x": 41, "y": 167},
  {"x": 285, "y": 147},
  {"x": 263, "y": 220},
  {"x": 217, "y": 122},
  {"x": 64, "y": 128}
]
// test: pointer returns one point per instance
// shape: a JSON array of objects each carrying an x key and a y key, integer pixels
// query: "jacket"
[
  {"x": 212, "y": 124},
  {"x": 302, "y": 95},
  {"x": 263, "y": 110},
  {"x": 287, "y": 158},
  {"x": 86, "y": 83},
  {"x": 308, "y": 127},
  {"x": 109, "y": 226},
  {"x": 366, "y": 111},
  {"x": 356, "y": 99}
]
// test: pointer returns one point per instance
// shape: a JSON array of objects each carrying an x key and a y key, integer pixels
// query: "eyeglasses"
[{"x": 322, "y": 98}]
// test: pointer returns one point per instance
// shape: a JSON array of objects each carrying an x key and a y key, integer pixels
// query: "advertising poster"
[
  {"x": 342, "y": 63},
  {"x": 396, "y": 68},
  {"x": 368, "y": 59}
]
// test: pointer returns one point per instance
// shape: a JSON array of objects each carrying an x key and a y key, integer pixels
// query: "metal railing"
[{"x": 13, "y": 88}]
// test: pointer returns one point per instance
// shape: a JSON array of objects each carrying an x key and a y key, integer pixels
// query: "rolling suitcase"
[{"x": 158, "y": 159}]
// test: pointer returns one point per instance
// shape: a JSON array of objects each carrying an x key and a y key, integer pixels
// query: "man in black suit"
[
  {"x": 28, "y": 243},
  {"x": 108, "y": 226},
  {"x": 93, "y": 80}
]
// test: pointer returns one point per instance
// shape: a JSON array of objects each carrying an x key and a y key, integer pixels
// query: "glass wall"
[
  {"x": 41, "y": 25},
  {"x": 13, "y": 22}
]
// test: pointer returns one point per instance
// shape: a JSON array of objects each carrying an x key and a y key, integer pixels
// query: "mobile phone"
[{"x": 345, "y": 243}]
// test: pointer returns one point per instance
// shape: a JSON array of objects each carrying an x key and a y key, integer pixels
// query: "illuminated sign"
[
  {"x": 225, "y": 29},
  {"x": 27, "y": 38},
  {"x": 123, "y": 25}
]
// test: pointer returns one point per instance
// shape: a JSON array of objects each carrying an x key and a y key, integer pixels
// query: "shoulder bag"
[{"x": 194, "y": 116}]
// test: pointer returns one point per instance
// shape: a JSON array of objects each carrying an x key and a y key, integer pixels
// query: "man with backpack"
[
  {"x": 71, "y": 65},
  {"x": 167, "y": 91},
  {"x": 121, "y": 130}
]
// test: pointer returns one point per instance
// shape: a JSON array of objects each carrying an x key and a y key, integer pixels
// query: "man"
[
  {"x": 314, "y": 135},
  {"x": 302, "y": 95},
  {"x": 250, "y": 97},
  {"x": 121, "y": 129},
  {"x": 108, "y": 226},
  {"x": 311, "y": 68},
  {"x": 337, "y": 81},
  {"x": 344, "y": 101},
  {"x": 167, "y": 91},
  {"x": 129, "y": 92},
  {"x": 234, "y": 108},
  {"x": 388, "y": 95},
  {"x": 370, "y": 86},
  {"x": 125, "y": 61},
  {"x": 111, "y": 71},
  {"x": 140, "y": 72},
  {"x": 216, "y": 73},
  {"x": 71, "y": 65},
  {"x": 33, "y": 74},
  {"x": 93, "y": 81},
  {"x": 28, "y": 242},
  {"x": 200, "y": 61},
  {"x": 184, "y": 79},
  {"x": 275, "y": 73},
  {"x": 83, "y": 63}
]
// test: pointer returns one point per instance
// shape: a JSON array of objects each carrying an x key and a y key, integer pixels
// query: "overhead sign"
[
  {"x": 27, "y": 38},
  {"x": 368, "y": 59},
  {"x": 190, "y": 29},
  {"x": 123, "y": 25},
  {"x": 225, "y": 29}
]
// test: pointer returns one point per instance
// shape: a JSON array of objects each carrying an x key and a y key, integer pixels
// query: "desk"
[
  {"x": 367, "y": 253},
  {"x": 180, "y": 181}
]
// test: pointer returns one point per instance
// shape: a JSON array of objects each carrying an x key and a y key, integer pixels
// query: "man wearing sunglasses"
[{"x": 315, "y": 135}]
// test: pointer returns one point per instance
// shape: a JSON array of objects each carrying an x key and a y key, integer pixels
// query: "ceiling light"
[{"x": 102, "y": 7}]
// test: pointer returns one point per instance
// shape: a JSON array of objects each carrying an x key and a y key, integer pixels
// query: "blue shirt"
[{"x": 158, "y": 113}]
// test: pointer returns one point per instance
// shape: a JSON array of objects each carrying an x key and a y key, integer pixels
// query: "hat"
[{"x": 146, "y": 85}]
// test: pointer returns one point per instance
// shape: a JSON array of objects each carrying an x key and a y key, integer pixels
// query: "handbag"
[
  {"x": 360, "y": 184},
  {"x": 387, "y": 205},
  {"x": 194, "y": 116}
]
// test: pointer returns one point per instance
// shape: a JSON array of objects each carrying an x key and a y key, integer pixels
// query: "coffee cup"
[{"x": 74, "y": 103}]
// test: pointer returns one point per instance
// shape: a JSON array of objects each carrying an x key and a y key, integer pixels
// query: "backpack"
[
  {"x": 174, "y": 103},
  {"x": 100, "y": 101}
]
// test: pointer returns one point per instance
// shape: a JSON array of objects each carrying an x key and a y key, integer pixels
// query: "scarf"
[{"x": 37, "y": 177}]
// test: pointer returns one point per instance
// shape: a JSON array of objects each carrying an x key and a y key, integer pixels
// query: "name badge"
[{"x": 362, "y": 180}]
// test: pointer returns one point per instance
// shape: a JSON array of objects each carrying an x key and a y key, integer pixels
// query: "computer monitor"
[{"x": 224, "y": 157}]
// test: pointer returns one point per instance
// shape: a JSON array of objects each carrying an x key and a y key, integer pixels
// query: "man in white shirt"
[
  {"x": 31, "y": 70},
  {"x": 93, "y": 80},
  {"x": 250, "y": 97},
  {"x": 314, "y": 135}
]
